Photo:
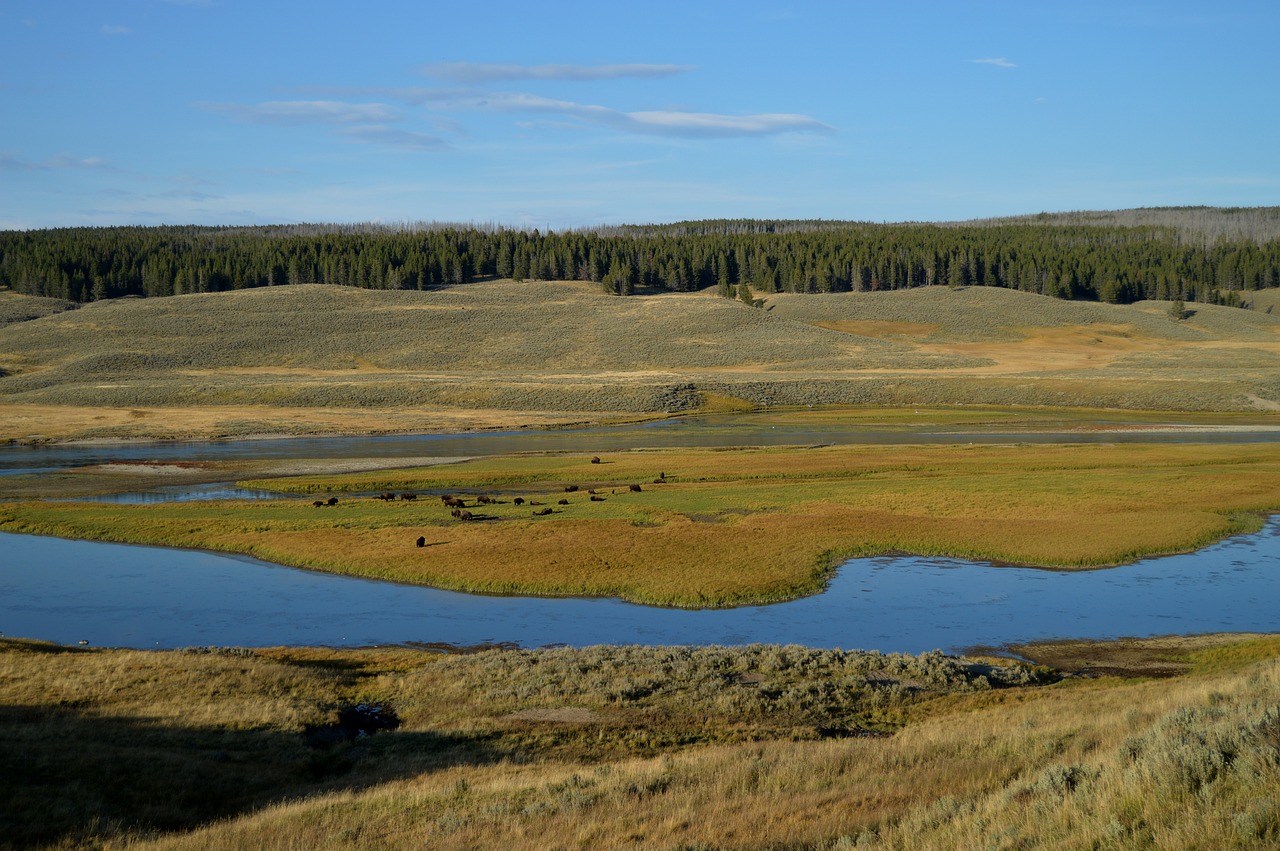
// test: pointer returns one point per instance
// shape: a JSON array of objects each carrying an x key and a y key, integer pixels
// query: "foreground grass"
[
  {"x": 644, "y": 747},
  {"x": 726, "y": 527}
]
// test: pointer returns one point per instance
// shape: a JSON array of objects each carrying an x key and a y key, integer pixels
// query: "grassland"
[
  {"x": 748, "y": 747},
  {"x": 313, "y": 358},
  {"x": 723, "y": 527}
]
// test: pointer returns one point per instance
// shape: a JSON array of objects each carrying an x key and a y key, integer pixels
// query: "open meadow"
[
  {"x": 310, "y": 358},
  {"x": 1160, "y": 743},
  {"x": 758, "y": 746}
]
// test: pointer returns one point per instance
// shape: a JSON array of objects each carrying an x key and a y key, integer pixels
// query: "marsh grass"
[
  {"x": 727, "y": 526},
  {"x": 648, "y": 747}
]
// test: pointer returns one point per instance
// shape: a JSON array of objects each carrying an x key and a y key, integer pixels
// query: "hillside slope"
[{"x": 565, "y": 348}]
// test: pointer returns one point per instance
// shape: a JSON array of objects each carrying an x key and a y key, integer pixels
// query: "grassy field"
[
  {"x": 724, "y": 527},
  {"x": 666, "y": 747},
  {"x": 335, "y": 359}
]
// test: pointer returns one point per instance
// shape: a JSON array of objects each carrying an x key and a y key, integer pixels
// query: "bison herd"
[{"x": 459, "y": 510}]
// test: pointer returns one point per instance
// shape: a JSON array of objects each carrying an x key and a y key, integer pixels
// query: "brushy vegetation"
[
  {"x": 723, "y": 527},
  {"x": 545, "y": 350},
  {"x": 666, "y": 747}
]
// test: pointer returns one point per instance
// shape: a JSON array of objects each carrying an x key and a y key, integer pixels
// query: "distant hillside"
[
  {"x": 1206, "y": 256},
  {"x": 1200, "y": 225},
  {"x": 567, "y": 347}
]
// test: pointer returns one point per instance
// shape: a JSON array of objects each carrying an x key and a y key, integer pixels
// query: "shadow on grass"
[{"x": 69, "y": 778}]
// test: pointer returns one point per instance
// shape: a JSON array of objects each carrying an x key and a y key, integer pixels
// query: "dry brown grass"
[
  {"x": 1191, "y": 761},
  {"x": 313, "y": 358}
]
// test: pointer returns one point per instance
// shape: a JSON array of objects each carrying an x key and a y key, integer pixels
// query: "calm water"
[
  {"x": 118, "y": 595},
  {"x": 701, "y": 431}
]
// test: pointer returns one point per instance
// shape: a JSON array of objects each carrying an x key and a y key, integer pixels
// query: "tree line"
[{"x": 1111, "y": 263}]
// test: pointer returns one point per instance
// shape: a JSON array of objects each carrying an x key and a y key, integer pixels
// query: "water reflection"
[
  {"x": 710, "y": 431},
  {"x": 120, "y": 595}
]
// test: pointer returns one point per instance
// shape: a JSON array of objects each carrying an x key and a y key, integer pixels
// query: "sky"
[{"x": 560, "y": 115}]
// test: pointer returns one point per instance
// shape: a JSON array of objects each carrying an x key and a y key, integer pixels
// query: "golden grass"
[
  {"x": 657, "y": 754},
  {"x": 291, "y": 360},
  {"x": 727, "y": 527}
]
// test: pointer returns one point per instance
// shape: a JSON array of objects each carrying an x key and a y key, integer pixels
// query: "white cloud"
[
  {"x": 656, "y": 122},
  {"x": 112, "y": 29},
  {"x": 384, "y": 134},
  {"x": 307, "y": 112},
  {"x": 999, "y": 62},
  {"x": 488, "y": 72},
  {"x": 10, "y": 161}
]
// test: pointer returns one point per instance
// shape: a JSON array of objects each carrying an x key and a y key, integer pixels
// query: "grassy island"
[{"x": 702, "y": 527}]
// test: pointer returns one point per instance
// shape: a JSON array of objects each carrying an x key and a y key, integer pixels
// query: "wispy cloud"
[
  {"x": 488, "y": 72},
  {"x": 113, "y": 29},
  {"x": 998, "y": 61},
  {"x": 651, "y": 122},
  {"x": 306, "y": 112},
  {"x": 9, "y": 161},
  {"x": 384, "y": 134}
]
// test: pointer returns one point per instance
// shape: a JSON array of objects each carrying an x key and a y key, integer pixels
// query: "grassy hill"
[{"x": 539, "y": 350}]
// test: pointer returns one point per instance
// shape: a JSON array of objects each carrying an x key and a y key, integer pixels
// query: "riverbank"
[{"x": 606, "y": 747}]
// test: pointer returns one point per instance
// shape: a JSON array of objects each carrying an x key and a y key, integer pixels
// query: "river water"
[
  {"x": 711, "y": 431},
  {"x": 120, "y": 595}
]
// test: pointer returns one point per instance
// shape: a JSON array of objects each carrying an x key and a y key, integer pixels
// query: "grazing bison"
[
  {"x": 542, "y": 512},
  {"x": 318, "y": 504},
  {"x": 570, "y": 488},
  {"x": 333, "y": 500},
  {"x": 422, "y": 542},
  {"x": 563, "y": 502},
  {"x": 464, "y": 515},
  {"x": 518, "y": 500},
  {"x": 633, "y": 488},
  {"x": 409, "y": 496},
  {"x": 595, "y": 459},
  {"x": 483, "y": 500}
]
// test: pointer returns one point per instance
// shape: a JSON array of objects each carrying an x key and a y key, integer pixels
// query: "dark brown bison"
[
  {"x": 570, "y": 488},
  {"x": 633, "y": 488},
  {"x": 409, "y": 496},
  {"x": 597, "y": 499},
  {"x": 595, "y": 459},
  {"x": 464, "y": 515},
  {"x": 518, "y": 500},
  {"x": 563, "y": 502},
  {"x": 542, "y": 512},
  {"x": 333, "y": 500},
  {"x": 318, "y": 504},
  {"x": 422, "y": 542}
]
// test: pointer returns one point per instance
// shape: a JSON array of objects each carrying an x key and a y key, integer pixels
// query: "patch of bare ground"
[{"x": 1162, "y": 656}]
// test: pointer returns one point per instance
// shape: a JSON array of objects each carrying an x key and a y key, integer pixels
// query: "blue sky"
[{"x": 570, "y": 114}]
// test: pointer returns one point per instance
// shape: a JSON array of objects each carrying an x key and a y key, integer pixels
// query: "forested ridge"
[{"x": 1110, "y": 262}]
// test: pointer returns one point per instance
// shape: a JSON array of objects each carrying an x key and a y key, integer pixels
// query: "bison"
[
  {"x": 597, "y": 499},
  {"x": 570, "y": 488},
  {"x": 542, "y": 512},
  {"x": 518, "y": 500},
  {"x": 422, "y": 542},
  {"x": 595, "y": 459},
  {"x": 633, "y": 488},
  {"x": 563, "y": 502},
  {"x": 333, "y": 500}
]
